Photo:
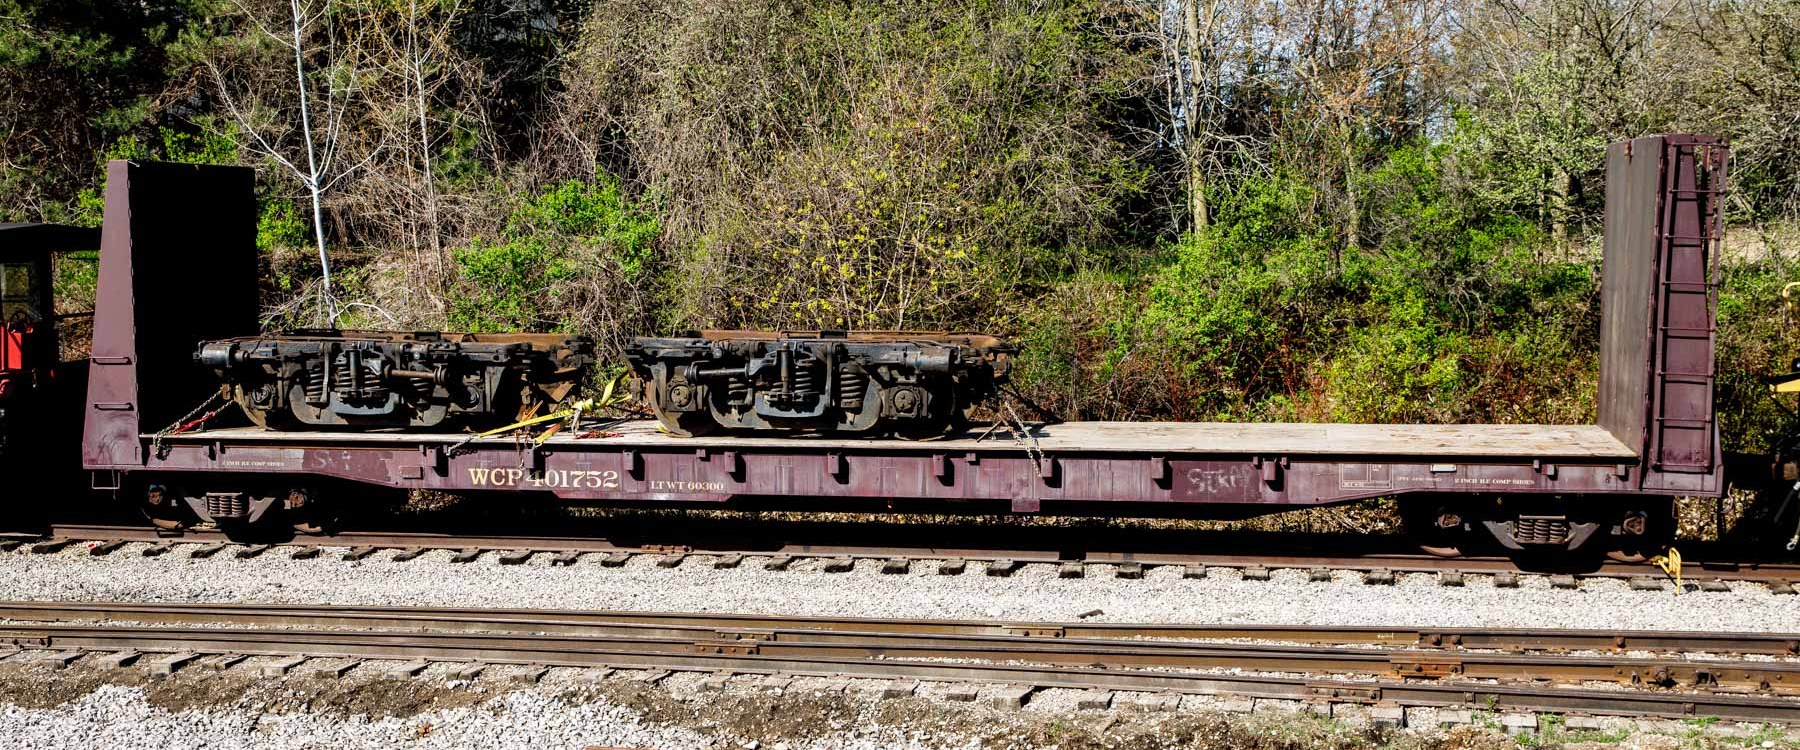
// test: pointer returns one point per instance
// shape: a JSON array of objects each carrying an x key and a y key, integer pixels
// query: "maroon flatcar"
[{"x": 168, "y": 282}]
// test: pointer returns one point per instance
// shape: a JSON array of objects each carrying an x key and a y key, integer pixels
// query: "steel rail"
[
  {"x": 574, "y": 651},
  {"x": 789, "y": 639},
  {"x": 450, "y": 619},
  {"x": 1393, "y": 563}
]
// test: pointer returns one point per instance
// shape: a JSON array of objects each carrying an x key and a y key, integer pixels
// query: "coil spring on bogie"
[
  {"x": 850, "y": 387},
  {"x": 313, "y": 383},
  {"x": 1542, "y": 530},
  {"x": 805, "y": 379},
  {"x": 737, "y": 391},
  {"x": 227, "y": 505}
]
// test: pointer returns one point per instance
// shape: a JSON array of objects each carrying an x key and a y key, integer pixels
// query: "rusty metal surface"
[
  {"x": 1023, "y": 661},
  {"x": 713, "y": 625},
  {"x": 1658, "y": 301},
  {"x": 912, "y": 383},
  {"x": 796, "y": 643},
  {"x": 374, "y": 379},
  {"x": 599, "y": 470},
  {"x": 168, "y": 278}
]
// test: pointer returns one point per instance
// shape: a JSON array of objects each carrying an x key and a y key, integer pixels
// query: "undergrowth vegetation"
[{"x": 1381, "y": 211}]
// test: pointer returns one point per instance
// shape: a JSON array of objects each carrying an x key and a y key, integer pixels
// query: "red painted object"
[{"x": 12, "y": 348}]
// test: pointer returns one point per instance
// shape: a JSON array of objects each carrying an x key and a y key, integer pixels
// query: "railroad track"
[
  {"x": 1454, "y": 668},
  {"x": 1375, "y": 567}
]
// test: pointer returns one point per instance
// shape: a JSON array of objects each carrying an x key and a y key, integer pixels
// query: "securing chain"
[
  {"x": 1023, "y": 436},
  {"x": 192, "y": 419}
]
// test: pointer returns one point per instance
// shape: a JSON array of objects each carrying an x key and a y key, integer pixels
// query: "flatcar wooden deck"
[{"x": 1548, "y": 442}]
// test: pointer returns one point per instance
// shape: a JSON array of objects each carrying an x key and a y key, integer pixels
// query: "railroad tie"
[
  {"x": 1519, "y": 723},
  {"x": 1193, "y": 571},
  {"x": 54, "y": 545},
  {"x": 839, "y": 565},
  {"x": 517, "y": 557},
  {"x": 120, "y": 659},
  {"x": 1645, "y": 583},
  {"x": 566, "y": 558},
  {"x": 715, "y": 682},
  {"x": 1715, "y": 585},
  {"x": 221, "y": 662},
  {"x": 1378, "y": 577},
  {"x": 11, "y": 544},
  {"x": 1781, "y": 587},
  {"x": 305, "y": 553},
  {"x": 282, "y": 666},
  {"x": 727, "y": 562},
  {"x": 896, "y": 566},
  {"x": 1157, "y": 702},
  {"x": 1389, "y": 716},
  {"x": 205, "y": 551},
  {"x": 467, "y": 555},
  {"x": 1094, "y": 700},
  {"x": 1504, "y": 580},
  {"x": 670, "y": 561},
  {"x": 408, "y": 670},
  {"x": 1129, "y": 570},
  {"x": 952, "y": 567},
  {"x": 1002, "y": 567},
  {"x": 358, "y": 553},
  {"x": 1452, "y": 578},
  {"x": 615, "y": 560},
  {"x": 106, "y": 548},
  {"x": 1071, "y": 569},
  {"x": 650, "y": 676},
  {"x": 62, "y": 659},
  {"x": 164, "y": 668},
  {"x": 530, "y": 675},
  {"x": 1319, "y": 575},
  {"x": 1255, "y": 573},
  {"x": 468, "y": 672},
  {"x": 1456, "y": 717},
  {"x": 332, "y": 671},
  {"x": 157, "y": 550},
  {"x": 1009, "y": 696},
  {"x": 962, "y": 692},
  {"x": 410, "y": 553},
  {"x": 1564, "y": 581},
  {"x": 253, "y": 550},
  {"x": 901, "y": 688}
]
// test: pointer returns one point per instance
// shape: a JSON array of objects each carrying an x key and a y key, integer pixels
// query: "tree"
[{"x": 296, "y": 119}]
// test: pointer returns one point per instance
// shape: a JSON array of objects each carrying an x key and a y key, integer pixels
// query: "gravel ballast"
[{"x": 1032, "y": 593}]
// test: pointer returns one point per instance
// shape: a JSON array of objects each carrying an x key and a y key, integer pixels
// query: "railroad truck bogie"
[
  {"x": 912, "y": 384},
  {"x": 245, "y": 509}
]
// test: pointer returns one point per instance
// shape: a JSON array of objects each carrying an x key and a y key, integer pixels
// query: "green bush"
[{"x": 567, "y": 259}]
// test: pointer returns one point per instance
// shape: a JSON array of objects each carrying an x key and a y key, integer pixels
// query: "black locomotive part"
[
  {"x": 333, "y": 378},
  {"x": 871, "y": 382}
]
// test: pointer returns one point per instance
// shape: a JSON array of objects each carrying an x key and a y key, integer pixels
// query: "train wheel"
[
  {"x": 681, "y": 423},
  {"x": 1440, "y": 529},
  {"x": 1642, "y": 532},
  {"x": 161, "y": 505},
  {"x": 268, "y": 419},
  {"x": 304, "y": 513}
]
